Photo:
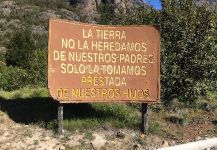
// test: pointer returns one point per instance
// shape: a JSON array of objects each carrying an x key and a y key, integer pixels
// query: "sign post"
[
  {"x": 95, "y": 63},
  {"x": 60, "y": 119},
  {"x": 144, "y": 118}
]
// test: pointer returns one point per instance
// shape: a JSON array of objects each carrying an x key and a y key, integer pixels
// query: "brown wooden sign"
[{"x": 94, "y": 63}]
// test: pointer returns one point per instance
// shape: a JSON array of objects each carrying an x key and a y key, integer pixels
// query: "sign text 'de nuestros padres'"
[{"x": 94, "y": 63}]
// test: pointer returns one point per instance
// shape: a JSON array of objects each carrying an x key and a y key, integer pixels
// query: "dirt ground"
[{"x": 21, "y": 136}]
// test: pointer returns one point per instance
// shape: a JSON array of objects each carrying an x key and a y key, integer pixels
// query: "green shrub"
[
  {"x": 22, "y": 53},
  {"x": 154, "y": 127},
  {"x": 12, "y": 77},
  {"x": 107, "y": 13},
  {"x": 2, "y": 58},
  {"x": 38, "y": 68},
  {"x": 20, "y": 49},
  {"x": 178, "y": 119},
  {"x": 188, "y": 50}
]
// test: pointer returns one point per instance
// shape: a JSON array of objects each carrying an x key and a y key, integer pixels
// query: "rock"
[
  {"x": 137, "y": 147},
  {"x": 69, "y": 15},
  {"x": 89, "y": 7},
  {"x": 98, "y": 141},
  {"x": 133, "y": 134},
  {"x": 173, "y": 143},
  {"x": 45, "y": 16},
  {"x": 198, "y": 138},
  {"x": 165, "y": 144},
  {"x": 120, "y": 134},
  {"x": 207, "y": 107},
  {"x": 142, "y": 136},
  {"x": 62, "y": 148}
]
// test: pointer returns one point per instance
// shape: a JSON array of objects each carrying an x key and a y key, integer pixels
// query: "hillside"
[{"x": 18, "y": 14}]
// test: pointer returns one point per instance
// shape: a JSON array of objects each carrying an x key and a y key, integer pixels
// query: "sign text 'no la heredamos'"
[{"x": 93, "y": 63}]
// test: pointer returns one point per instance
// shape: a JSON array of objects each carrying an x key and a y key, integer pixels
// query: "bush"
[
  {"x": 2, "y": 58},
  {"x": 188, "y": 50},
  {"x": 12, "y": 77},
  {"x": 22, "y": 53},
  {"x": 107, "y": 13},
  {"x": 20, "y": 49},
  {"x": 38, "y": 68}
]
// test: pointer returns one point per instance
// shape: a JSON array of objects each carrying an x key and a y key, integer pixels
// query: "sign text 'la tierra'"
[{"x": 93, "y": 63}]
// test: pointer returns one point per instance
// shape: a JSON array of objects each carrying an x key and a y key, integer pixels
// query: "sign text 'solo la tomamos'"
[{"x": 94, "y": 63}]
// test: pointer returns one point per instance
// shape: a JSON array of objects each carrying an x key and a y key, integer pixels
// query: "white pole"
[{"x": 200, "y": 145}]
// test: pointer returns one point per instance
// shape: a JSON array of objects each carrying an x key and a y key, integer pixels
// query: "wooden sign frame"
[{"x": 61, "y": 82}]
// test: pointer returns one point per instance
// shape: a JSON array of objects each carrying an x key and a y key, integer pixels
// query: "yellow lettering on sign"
[
  {"x": 111, "y": 35},
  {"x": 83, "y": 45},
  {"x": 63, "y": 93},
  {"x": 89, "y": 34},
  {"x": 68, "y": 43},
  {"x": 60, "y": 55},
  {"x": 101, "y": 81},
  {"x": 136, "y": 94},
  {"x": 104, "y": 93}
]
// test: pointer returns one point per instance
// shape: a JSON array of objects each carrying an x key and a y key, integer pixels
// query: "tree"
[
  {"x": 38, "y": 68},
  {"x": 107, "y": 13},
  {"x": 188, "y": 50},
  {"x": 188, "y": 46},
  {"x": 25, "y": 54},
  {"x": 20, "y": 49}
]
